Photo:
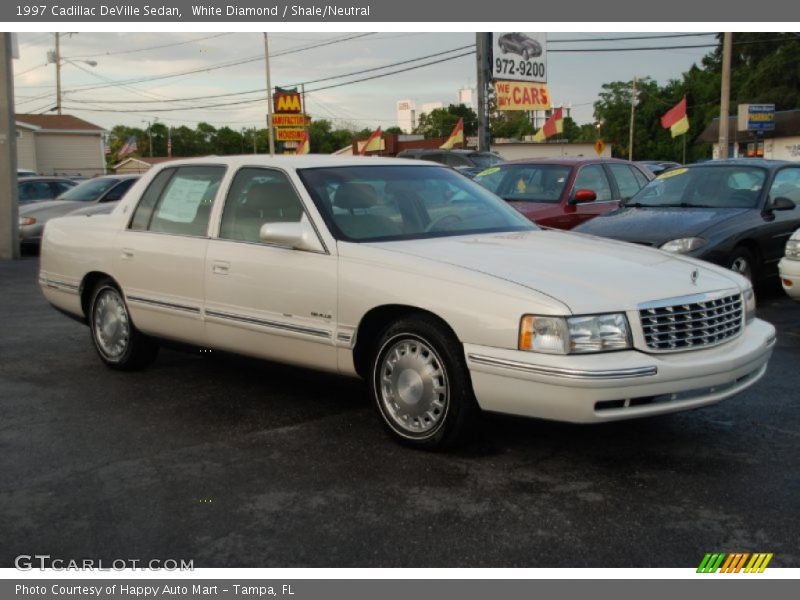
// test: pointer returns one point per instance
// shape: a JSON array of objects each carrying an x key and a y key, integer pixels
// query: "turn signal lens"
[
  {"x": 544, "y": 334},
  {"x": 23, "y": 221}
]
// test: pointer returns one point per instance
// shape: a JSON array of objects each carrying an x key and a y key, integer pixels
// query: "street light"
[{"x": 54, "y": 56}]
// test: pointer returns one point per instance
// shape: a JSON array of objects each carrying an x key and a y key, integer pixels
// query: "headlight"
[
  {"x": 749, "y": 305},
  {"x": 683, "y": 245},
  {"x": 793, "y": 249},
  {"x": 23, "y": 221},
  {"x": 574, "y": 335}
]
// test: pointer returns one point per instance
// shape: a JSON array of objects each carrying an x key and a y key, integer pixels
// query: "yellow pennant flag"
[
  {"x": 456, "y": 136},
  {"x": 373, "y": 142},
  {"x": 680, "y": 127},
  {"x": 304, "y": 147}
]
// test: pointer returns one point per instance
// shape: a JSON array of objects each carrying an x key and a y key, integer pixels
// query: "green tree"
[
  {"x": 441, "y": 121},
  {"x": 513, "y": 124}
]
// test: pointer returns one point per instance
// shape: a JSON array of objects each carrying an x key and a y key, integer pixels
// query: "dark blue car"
[{"x": 735, "y": 213}]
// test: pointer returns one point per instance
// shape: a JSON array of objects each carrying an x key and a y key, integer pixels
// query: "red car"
[{"x": 564, "y": 192}]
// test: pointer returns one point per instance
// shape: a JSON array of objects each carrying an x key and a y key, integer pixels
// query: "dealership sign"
[
  {"x": 289, "y": 134},
  {"x": 289, "y": 120},
  {"x": 520, "y": 95},
  {"x": 519, "y": 57},
  {"x": 756, "y": 117},
  {"x": 287, "y": 101}
]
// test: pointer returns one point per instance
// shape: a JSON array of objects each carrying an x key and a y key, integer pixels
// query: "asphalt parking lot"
[{"x": 237, "y": 463}]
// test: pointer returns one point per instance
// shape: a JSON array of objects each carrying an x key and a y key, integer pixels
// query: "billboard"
[
  {"x": 756, "y": 117},
  {"x": 287, "y": 101},
  {"x": 519, "y": 57},
  {"x": 521, "y": 95},
  {"x": 289, "y": 134}
]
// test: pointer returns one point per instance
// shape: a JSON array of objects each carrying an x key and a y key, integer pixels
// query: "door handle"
[
  {"x": 220, "y": 268},
  {"x": 127, "y": 253}
]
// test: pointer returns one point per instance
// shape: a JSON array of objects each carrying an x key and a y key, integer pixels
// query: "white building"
[
  {"x": 466, "y": 96},
  {"x": 429, "y": 107},
  {"x": 406, "y": 115}
]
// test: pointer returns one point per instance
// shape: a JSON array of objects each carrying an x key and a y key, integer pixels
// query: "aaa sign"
[{"x": 521, "y": 95}]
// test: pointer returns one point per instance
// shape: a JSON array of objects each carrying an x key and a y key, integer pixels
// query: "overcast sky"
[{"x": 574, "y": 78}]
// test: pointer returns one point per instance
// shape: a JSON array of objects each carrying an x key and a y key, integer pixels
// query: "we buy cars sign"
[{"x": 519, "y": 57}]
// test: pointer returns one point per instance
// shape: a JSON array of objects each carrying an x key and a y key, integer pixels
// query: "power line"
[
  {"x": 263, "y": 90},
  {"x": 208, "y": 37},
  {"x": 630, "y": 37},
  {"x": 223, "y": 65}
]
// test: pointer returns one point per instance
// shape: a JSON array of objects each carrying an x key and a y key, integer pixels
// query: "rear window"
[{"x": 526, "y": 183}]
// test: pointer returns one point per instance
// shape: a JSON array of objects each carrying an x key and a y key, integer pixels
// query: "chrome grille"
[{"x": 697, "y": 324}]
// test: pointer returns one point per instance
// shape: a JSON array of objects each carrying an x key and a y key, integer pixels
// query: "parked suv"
[
  {"x": 469, "y": 162},
  {"x": 564, "y": 192}
]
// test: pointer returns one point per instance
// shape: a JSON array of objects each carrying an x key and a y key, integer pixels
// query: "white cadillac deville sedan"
[{"x": 411, "y": 276}]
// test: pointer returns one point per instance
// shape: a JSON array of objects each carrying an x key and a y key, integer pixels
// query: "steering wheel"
[{"x": 443, "y": 223}]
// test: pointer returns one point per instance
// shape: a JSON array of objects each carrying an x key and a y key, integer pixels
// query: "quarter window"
[{"x": 258, "y": 196}]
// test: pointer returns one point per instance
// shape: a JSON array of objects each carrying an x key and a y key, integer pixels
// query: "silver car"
[{"x": 91, "y": 194}]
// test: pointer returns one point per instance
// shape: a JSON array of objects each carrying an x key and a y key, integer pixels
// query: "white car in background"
[
  {"x": 443, "y": 298},
  {"x": 789, "y": 267}
]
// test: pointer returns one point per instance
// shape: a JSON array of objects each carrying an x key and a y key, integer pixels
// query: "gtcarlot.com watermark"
[{"x": 44, "y": 562}]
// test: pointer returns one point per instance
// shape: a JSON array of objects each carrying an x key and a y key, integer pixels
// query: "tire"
[
  {"x": 743, "y": 262},
  {"x": 118, "y": 343},
  {"x": 420, "y": 385}
]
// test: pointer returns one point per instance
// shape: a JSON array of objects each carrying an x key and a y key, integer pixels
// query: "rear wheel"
[
  {"x": 120, "y": 345},
  {"x": 421, "y": 386},
  {"x": 743, "y": 262}
]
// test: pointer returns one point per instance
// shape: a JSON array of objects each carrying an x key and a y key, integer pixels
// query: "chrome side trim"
[
  {"x": 343, "y": 337},
  {"x": 161, "y": 304},
  {"x": 491, "y": 361},
  {"x": 320, "y": 333},
  {"x": 57, "y": 284},
  {"x": 691, "y": 299}
]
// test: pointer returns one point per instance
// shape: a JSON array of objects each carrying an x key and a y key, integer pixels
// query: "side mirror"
[
  {"x": 584, "y": 195},
  {"x": 298, "y": 235},
  {"x": 782, "y": 203}
]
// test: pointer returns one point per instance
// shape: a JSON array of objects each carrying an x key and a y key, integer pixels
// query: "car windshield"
[
  {"x": 89, "y": 190},
  {"x": 526, "y": 183},
  {"x": 485, "y": 160},
  {"x": 381, "y": 203},
  {"x": 703, "y": 187}
]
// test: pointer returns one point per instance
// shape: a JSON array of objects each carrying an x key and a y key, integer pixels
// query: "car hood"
[
  {"x": 657, "y": 225},
  {"x": 50, "y": 207},
  {"x": 589, "y": 275}
]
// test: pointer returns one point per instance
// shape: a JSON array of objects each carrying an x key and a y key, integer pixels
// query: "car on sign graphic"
[
  {"x": 519, "y": 43},
  {"x": 446, "y": 303}
]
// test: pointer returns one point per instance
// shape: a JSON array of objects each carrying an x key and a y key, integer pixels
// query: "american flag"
[{"x": 128, "y": 147}]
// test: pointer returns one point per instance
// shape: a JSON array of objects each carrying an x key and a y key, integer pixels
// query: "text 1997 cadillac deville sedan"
[{"x": 411, "y": 276}]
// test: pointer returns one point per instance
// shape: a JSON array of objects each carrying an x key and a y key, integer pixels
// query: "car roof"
[
  {"x": 306, "y": 161},
  {"x": 566, "y": 161},
  {"x": 744, "y": 162},
  {"x": 43, "y": 178}
]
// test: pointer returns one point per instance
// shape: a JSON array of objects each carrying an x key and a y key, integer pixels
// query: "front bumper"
[
  {"x": 790, "y": 277},
  {"x": 617, "y": 385}
]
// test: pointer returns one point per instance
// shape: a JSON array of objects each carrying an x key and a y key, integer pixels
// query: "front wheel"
[
  {"x": 120, "y": 345},
  {"x": 421, "y": 386},
  {"x": 742, "y": 262}
]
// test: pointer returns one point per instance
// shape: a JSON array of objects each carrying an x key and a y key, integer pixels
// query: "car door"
[
  {"x": 266, "y": 300},
  {"x": 159, "y": 258},
  {"x": 780, "y": 224},
  {"x": 591, "y": 177}
]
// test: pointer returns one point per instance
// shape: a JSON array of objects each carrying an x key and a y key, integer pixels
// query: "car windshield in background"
[
  {"x": 526, "y": 183},
  {"x": 485, "y": 160},
  {"x": 381, "y": 203},
  {"x": 703, "y": 187},
  {"x": 89, "y": 190}
]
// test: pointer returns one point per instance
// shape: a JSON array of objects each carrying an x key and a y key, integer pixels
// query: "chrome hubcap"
[
  {"x": 413, "y": 387},
  {"x": 111, "y": 325},
  {"x": 741, "y": 266}
]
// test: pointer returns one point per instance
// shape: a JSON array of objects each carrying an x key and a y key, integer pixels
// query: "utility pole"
[
  {"x": 304, "y": 112},
  {"x": 633, "y": 113},
  {"x": 58, "y": 73},
  {"x": 255, "y": 132},
  {"x": 9, "y": 232},
  {"x": 269, "y": 97},
  {"x": 483, "y": 43},
  {"x": 725, "y": 95}
]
